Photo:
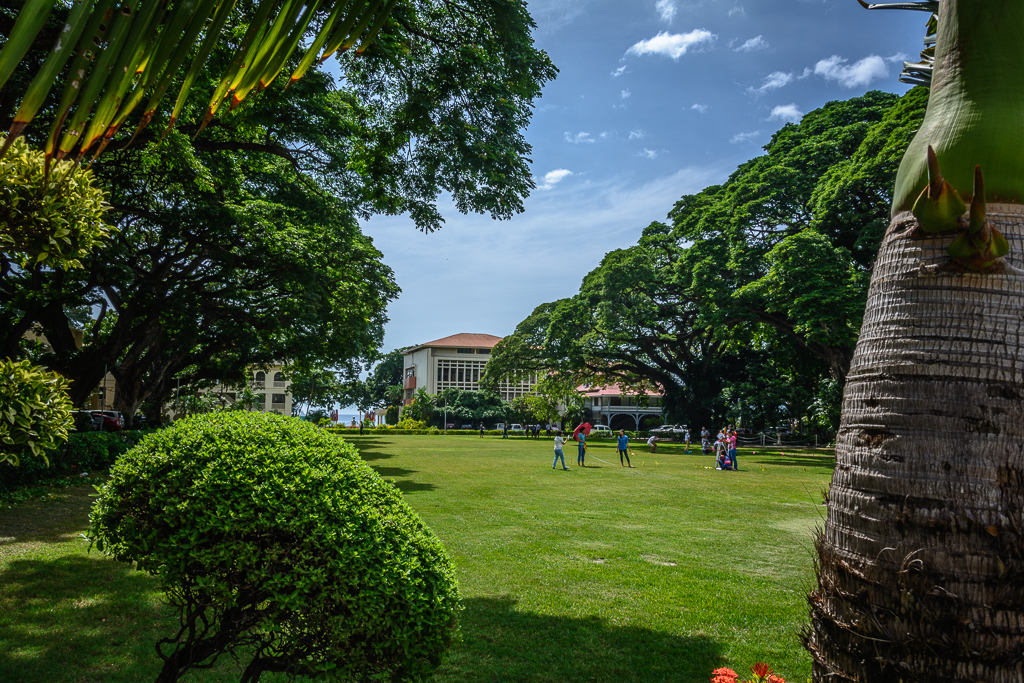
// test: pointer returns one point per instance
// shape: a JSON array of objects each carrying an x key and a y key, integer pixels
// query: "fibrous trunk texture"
[{"x": 921, "y": 574}]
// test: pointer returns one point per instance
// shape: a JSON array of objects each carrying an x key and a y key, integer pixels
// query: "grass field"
[{"x": 658, "y": 573}]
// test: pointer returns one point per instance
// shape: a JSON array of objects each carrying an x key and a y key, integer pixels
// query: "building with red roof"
[{"x": 455, "y": 362}]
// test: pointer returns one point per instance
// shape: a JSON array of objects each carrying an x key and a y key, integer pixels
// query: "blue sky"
[{"x": 655, "y": 99}]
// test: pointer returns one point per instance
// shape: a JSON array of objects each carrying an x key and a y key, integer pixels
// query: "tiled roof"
[{"x": 467, "y": 339}]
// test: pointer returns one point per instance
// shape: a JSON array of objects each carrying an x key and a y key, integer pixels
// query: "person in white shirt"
[
  {"x": 687, "y": 440},
  {"x": 653, "y": 443},
  {"x": 559, "y": 441}
]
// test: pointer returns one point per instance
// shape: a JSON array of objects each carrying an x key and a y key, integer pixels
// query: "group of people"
[
  {"x": 581, "y": 445},
  {"x": 724, "y": 448},
  {"x": 531, "y": 430}
]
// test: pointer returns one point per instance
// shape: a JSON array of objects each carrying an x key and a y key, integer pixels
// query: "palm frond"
[
  {"x": 917, "y": 73},
  {"x": 129, "y": 52}
]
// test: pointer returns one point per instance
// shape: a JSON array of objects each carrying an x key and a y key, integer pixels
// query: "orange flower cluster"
[{"x": 761, "y": 671}]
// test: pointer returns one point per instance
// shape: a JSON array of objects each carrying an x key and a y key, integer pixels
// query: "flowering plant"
[{"x": 762, "y": 674}]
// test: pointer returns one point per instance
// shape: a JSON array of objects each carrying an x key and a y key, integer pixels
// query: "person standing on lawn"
[
  {"x": 624, "y": 448},
  {"x": 732, "y": 449},
  {"x": 481, "y": 430},
  {"x": 558, "y": 450},
  {"x": 687, "y": 439},
  {"x": 504, "y": 431},
  {"x": 581, "y": 454}
]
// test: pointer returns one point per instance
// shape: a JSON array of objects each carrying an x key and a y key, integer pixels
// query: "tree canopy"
[
  {"x": 749, "y": 300},
  {"x": 239, "y": 244}
]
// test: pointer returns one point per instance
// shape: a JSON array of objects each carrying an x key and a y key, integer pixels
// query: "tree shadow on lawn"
[
  {"x": 78, "y": 618},
  {"x": 812, "y": 461},
  {"x": 500, "y": 643},
  {"x": 47, "y": 521}
]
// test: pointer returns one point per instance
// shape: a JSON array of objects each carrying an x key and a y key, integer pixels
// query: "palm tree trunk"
[{"x": 921, "y": 562}]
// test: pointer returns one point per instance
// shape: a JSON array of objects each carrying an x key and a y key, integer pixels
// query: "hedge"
[{"x": 83, "y": 452}]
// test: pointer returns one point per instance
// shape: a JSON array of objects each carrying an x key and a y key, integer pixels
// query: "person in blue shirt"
[
  {"x": 581, "y": 453},
  {"x": 624, "y": 449}
]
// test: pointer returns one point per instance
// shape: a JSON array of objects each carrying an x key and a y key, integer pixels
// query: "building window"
[
  {"x": 465, "y": 350},
  {"x": 261, "y": 398},
  {"x": 277, "y": 399},
  {"x": 261, "y": 376},
  {"x": 484, "y": 351},
  {"x": 461, "y": 370},
  {"x": 278, "y": 381}
]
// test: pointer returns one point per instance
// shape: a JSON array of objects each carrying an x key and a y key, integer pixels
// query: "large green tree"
[
  {"x": 239, "y": 244},
  {"x": 920, "y": 561},
  {"x": 751, "y": 299}
]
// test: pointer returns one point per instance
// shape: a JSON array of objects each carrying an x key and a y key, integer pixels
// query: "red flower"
[
  {"x": 724, "y": 675},
  {"x": 772, "y": 678},
  {"x": 761, "y": 671}
]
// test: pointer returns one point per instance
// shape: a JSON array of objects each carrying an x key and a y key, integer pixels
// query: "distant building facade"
[
  {"x": 614, "y": 407},
  {"x": 455, "y": 362}
]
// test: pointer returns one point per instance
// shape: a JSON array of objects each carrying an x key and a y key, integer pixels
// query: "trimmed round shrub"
[{"x": 275, "y": 541}]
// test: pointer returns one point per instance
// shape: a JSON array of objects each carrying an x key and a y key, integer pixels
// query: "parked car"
[
  {"x": 85, "y": 421},
  {"x": 500, "y": 426},
  {"x": 465, "y": 426},
  {"x": 670, "y": 431},
  {"x": 601, "y": 430},
  {"x": 112, "y": 420},
  {"x": 516, "y": 427}
]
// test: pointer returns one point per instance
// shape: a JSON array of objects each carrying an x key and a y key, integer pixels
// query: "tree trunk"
[{"x": 921, "y": 574}]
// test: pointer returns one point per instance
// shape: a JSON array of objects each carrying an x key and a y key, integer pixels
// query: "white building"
[
  {"x": 457, "y": 362},
  {"x": 614, "y": 407},
  {"x": 273, "y": 392}
]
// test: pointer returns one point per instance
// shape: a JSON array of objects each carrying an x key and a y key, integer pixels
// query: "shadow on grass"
[
  {"x": 47, "y": 521},
  {"x": 78, "y": 618},
  {"x": 392, "y": 471},
  {"x": 413, "y": 486},
  {"x": 503, "y": 644},
  {"x": 814, "y": 461}
]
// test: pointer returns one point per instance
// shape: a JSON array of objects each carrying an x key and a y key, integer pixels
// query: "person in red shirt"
[{"x": 732, "y": 449}]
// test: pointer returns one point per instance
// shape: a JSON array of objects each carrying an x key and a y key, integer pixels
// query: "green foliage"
[
  {"x": 382, "y": 380},
  {"x": 35, "y": 412},
  {"x": 275, "y": 534},
  {"x": 422, "y": 407},
  {"x": 84, "y": 452},
  {"x": 755, "y": 290},
  {"x": 48, "y": 218}
]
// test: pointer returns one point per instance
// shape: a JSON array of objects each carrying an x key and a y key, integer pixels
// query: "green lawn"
[{"x": 659, "y": 573}]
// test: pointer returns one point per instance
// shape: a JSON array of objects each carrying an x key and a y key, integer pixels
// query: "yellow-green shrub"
[
  {"x": 54, "y": 219},
  {"x": 35, "y": 411}
]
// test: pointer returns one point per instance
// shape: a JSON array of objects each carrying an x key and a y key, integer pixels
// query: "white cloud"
[
  {"x": 700, "y": 108},
  {"x": 578, "y": 138},
  {"x": 858, "y": 74},
  {"x": 738, "y": 10},
  {"x": 744, "y": 137},
  {"x": 649, "y": 153},
  {"x": 753, "y": 45},
  {"x": 786, "y": 112},
  {"x": 666, "y": 9},
  {"x": 552, "y": 178},
  {"x": 604, "y": 135},
  {"x": 626, "y": 94},
  {"x": 618, "y": 72},
  {"x": 773, "y": 81},
  {"x": 552, "y": 15},
  {"x": 672, "y": 45},
  {"x": 636, "y": 134}
]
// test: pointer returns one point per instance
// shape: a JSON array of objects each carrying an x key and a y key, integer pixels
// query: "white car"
[{"x": 601, "y": 430}]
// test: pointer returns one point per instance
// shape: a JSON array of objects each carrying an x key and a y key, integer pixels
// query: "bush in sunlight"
[{"x": 271, "y": 537}]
